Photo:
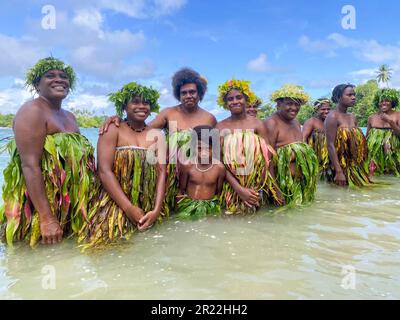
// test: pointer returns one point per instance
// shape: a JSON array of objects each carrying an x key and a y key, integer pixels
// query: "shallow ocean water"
[{"x": 346, "y": 245}]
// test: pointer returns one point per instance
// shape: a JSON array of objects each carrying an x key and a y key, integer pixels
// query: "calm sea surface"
[{"x": 346, "y": 245}]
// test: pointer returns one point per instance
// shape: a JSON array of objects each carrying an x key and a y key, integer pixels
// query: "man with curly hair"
[
  {"x": 48, "y": 181},
  {"x": 383, "y": 134},
  {"x": 189, "y": 88}
]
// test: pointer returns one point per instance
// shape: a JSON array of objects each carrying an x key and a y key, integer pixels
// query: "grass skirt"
[
  {"x": 106, "y": 220},
  {"x": 317, "y": 142},
  {"x": 352, "y": 151},
  {"x": 188, "y": 208},
  {"x": 246, "y": 156},
  {"x": 68, "y": 169},
  {"x": 301, "y": 187},
  {"x": 383, "y": 152}
]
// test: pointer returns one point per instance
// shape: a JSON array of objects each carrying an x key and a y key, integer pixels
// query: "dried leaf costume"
[
  {"x": 298, "y": 187},
  {"x": 247, "y": 156},
  {"x": 352, "y": 151},
  {"x": 68, "y": 169},
  {"x": 138, "y": 178},
  {"x": 135, "y": 169},
  {"x": 317, "y": 141},
  {"x": 383, "y": 144}
]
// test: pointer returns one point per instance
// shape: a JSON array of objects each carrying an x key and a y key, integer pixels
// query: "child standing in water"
[
  {"x": 201, "y": 178},
  {"x": 132, "y": 170}
]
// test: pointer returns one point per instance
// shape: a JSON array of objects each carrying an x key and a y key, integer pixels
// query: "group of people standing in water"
[{"x": 183, "y": 163}]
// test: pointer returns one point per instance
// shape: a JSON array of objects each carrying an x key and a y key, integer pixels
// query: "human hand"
[
  {"x": 134, "y": 214},
  {"x": 50, "y": 230},
  {"x": 250, "y": 197},
  {"x": 340, "y": 178},
  {"x": 148, "y": 220},
  {"x": 104, "y": 127}
]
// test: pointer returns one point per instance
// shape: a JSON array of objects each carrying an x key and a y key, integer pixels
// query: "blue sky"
[{"x": 112, "y": 42}]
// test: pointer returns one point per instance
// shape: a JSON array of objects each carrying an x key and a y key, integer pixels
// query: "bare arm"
[
  {"x": 262, "y": 132},
  {"x": 105, "y": 154},
  {"x": 395, "y": 125},
  {"x": 30, "y": 134},
  {"x": 331, "y": 125},
  {"x": 272, "y": 133},
  {"x": 161, "y": 120},
  {"x": 307, "y": 130},
  {"x": 221, "y": 179}
]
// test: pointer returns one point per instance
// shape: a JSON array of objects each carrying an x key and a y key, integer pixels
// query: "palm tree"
[{"x": 384, "y": 74}]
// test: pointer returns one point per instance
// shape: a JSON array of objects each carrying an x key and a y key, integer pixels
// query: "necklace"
[
  {"x": 202, "y": 170},
  {"x": 134, "y": 129}
]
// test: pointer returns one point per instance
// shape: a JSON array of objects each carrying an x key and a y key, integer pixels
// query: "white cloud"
[
  {"x": 16, "y": 55},
  {"x": 378, "y": 53},
  {"x": 317, "y": 45},
  {"x": 89, "y": 18},
  {"x": 142, "y": 9},
  {"x": 12, "y": 98},
  {"x": 97, "y": 104},
  {"x": 259, "y": 64},
  {"x": 363, "y": 75},
  {"x": 367, "y": 50},
  {"x": 278, "y": 52},
  {"x": 166, "y": 7},
  {"x": 106, "y": 57}
]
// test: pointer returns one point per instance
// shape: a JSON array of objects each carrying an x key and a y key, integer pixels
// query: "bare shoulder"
[
  {"x": 168, "y": 110},
  {"x": 185, "y": 167},
  {"x": 271, "y": 120},
  {"x": 32, "y": 111},
  {"x": 332, "y": 116},
  {"x": 222, "y": 124},
  {"x": 297, "y": 123},
  {"x": 208, "y": 115},
  {"x": 69, "y": 114},
  {"x": 352, "y": 115},
  {"x": 271, "y": 124},
  {"x": 372, "y": 117},
  {"x": 258, "y": 124},
  {"x": 112, "y": 131},
  {"x": 310, "y": 122},
  {"x": 221, "y": 168}
]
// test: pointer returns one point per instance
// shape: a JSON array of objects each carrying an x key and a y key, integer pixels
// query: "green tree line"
[
  {"x": 85, "y": 119},
  {"x": 362, "y": 110}
]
